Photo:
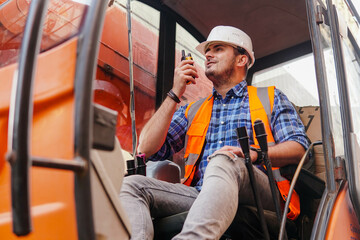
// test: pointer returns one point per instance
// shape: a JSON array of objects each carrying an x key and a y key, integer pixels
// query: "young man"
[{"x": 218, "y": 180}]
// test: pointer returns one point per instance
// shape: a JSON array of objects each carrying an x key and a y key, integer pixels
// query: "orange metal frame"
[{"x": 52, "y": 134}]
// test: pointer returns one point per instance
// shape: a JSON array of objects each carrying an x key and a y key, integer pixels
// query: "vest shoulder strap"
[
  {"x": 263, "y": 95},
  {"x": 261, "y": 102}
]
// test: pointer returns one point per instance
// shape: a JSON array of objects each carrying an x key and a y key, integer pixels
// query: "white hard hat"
[{"x": 229, "y": 35}]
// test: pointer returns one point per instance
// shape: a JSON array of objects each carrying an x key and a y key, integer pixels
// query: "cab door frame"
[
  {"x": 319, "y": 14},
  {"x": 19, "y": 157}
]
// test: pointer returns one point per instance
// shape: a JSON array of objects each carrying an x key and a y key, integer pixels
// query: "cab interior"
[
  {"x": 284, "y": 58},
  {"x": 279, "y": 30}
]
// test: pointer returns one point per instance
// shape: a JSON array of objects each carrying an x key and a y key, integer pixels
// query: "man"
[{"x": 219, "y": 179}]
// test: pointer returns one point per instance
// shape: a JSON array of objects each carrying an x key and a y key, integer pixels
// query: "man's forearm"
[
  {"x": 286, "y": 153},
  {"x": 153, "y": 135}
]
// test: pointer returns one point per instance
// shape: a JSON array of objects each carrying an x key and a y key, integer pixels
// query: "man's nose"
[{"x": 208, "y": 55}]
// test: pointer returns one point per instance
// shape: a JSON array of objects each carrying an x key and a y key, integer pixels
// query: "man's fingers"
[
  {"x": 191, "y": 72},
  {"x": 233, "y": 149},
  {"x": 186, "y": 62}
]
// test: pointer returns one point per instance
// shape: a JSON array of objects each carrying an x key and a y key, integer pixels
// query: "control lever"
[
  {"x": 243, "y": 139},
  {"x": 141, "y": 164},
  {"x": 140, "y": 168},
  {"x": 261, "y": 137}
]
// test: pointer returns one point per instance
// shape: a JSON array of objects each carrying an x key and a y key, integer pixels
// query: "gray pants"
[{"x": 226, "y": 185}]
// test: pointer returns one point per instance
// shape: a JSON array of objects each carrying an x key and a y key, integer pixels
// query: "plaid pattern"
[{"x": 227, "y": 115}]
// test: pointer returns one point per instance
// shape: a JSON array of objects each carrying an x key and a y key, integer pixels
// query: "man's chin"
[
  {"x": 209, "y": 74},
  {"x": 212, "y": 77}
]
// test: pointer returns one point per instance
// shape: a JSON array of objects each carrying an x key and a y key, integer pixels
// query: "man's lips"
[{"x": 209, "y": 63}]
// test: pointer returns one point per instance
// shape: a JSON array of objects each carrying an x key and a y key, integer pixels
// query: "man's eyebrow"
[
  {"x": 218, "y": 45},
  {"x": 214, "y": 46}
]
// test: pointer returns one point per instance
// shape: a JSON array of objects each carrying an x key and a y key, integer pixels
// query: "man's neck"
[{"x": 224, "y": 88}]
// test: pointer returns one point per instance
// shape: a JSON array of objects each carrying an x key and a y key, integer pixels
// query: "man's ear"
[{"x": 242, "y": 60}]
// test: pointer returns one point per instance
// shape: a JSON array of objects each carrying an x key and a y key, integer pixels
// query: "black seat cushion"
[
  {"x": 246, "y": 225},
  {"x": 168, "y": 227}
]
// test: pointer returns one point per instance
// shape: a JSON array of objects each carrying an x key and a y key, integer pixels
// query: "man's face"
[{"x": 220, "y": 62}]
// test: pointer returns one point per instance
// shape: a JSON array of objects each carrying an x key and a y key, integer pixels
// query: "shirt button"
[
  {"x": 224, "y": 105},
  {"x": 232, "y": 97},
  {"x": 222, "y": 122},
  {"x": 220, "y": 142}
]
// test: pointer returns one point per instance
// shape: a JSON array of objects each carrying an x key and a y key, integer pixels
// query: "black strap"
[{"x": 173, "y": 96}]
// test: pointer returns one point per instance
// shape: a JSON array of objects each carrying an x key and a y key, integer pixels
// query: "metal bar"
[
  {"x": 88, "y": 47},
  {"x": 131, "y": 79},
  {"x": 328, "y": 199},
  {"x": 21, "y": 118},
  {"x": 292, "y": 186},
  {"x": 73, "y": 165},
  {"x": 345, "y": 108},
  {"x": 354, "y": 45},
  {"x": 322, "y": 217},
  {"x": 325, "y": 112},
  {"x": 166, "y": 57},
  {"x": 353, "y": 10}
]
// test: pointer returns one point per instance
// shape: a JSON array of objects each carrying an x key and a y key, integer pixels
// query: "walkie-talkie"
[{"x": 188, "y": 57}]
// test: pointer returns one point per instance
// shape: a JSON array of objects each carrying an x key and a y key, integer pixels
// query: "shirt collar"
[{"x": 238, "y": 90}]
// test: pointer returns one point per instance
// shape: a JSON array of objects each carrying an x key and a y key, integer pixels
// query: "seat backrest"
[
  {"x": 107, "y": 173},
  {"x": 310, "y": 116}
]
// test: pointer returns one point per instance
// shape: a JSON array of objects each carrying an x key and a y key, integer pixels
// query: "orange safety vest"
[{"x": 198, "y": 113}]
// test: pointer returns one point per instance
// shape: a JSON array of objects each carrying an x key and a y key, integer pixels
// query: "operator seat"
[{"x": 310, "y": 187}]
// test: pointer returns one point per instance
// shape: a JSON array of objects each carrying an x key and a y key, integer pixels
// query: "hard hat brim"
[{"x": 201, "y": 48}]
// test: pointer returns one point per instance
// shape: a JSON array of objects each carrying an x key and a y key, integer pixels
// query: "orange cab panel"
[
  {"x": 52, "y": 136},
  {"x": 343, "y": 222}
]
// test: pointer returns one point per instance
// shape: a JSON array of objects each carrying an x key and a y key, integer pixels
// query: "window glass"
[
  {"x": 112, "y": 85},
  {"x": 356, "y": 4},
  {"x": 63, "y": 20},
  {"x": 352, "y": 69},
  {"x": 347, "y": 19},
  {"x": 296, "y": 78},
  {"x": 352, "y": 63},
  {"x": 354, "y": 8},
  {"x": 332, "y": 88}
]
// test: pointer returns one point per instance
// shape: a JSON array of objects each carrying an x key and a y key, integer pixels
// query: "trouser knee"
[
  {"x": 224, "y": 166},
  {"x": 132, "y": 185}
]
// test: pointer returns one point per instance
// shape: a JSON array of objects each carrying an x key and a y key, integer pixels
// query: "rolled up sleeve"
[
  {"x": 286, "y": 123},
  {"x": 175, "y": 137}
]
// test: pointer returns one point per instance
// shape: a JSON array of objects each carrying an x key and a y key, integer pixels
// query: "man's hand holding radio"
[{"x": 184, "y": 73}]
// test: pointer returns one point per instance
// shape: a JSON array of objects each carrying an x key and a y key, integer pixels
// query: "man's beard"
[{"x": 223, "y": 77}]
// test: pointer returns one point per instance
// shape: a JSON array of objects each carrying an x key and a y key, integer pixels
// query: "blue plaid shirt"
[{"x": 227, "y": 115}]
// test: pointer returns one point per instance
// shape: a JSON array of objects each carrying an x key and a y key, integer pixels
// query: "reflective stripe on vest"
[
  {"x": 261, "y": 101},
  {"x": 198, "y": 115}
]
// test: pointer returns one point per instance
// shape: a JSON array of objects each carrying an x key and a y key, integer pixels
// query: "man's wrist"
[{"x": 173, "y": 96}]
